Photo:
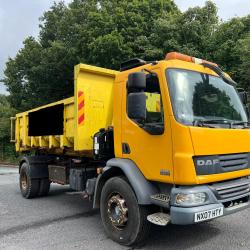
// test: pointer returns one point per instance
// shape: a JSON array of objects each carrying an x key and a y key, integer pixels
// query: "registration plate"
[{"x": 208, "y": 214}]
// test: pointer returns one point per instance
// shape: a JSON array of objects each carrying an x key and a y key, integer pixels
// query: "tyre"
[
  {"x": 44, "y": 187},
  {"x": 123, "y": 219},
  {"x": 29, "y": 187}
]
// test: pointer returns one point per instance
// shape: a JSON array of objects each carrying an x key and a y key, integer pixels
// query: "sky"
[{"x": 20, "y": 19}]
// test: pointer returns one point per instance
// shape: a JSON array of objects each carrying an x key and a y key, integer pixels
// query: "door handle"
[{"x": 125, "y": 148}]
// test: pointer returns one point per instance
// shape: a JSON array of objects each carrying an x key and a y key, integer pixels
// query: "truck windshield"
[{"x": 200, "y": 99}]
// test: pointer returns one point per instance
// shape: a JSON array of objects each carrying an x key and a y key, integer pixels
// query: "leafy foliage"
[
  {"x": 105, "y": 33},
  {"x": 228, "y": 50},
  {"x": 102, "y": 33},
  {"x": 242, "y": 70},
  {"x": 190, "y": 32},
  {"x": 6, "y": 111}
]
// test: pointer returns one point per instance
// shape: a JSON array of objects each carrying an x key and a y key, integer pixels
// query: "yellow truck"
[{"x": 157, "y": 142}]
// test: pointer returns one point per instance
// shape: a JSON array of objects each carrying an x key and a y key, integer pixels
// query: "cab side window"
[
  {"x": 144, "y": 102},
  {"x": 154, "y": 107}
]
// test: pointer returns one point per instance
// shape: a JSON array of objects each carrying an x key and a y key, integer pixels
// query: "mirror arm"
[
  {"x": 150, "y": 72},
  {"x": 220, "y": 73}
]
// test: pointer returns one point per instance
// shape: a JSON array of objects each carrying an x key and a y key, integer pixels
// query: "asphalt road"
[{"x": 64, "y": 220}]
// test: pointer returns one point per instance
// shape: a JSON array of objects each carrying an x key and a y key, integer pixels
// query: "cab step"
[{"x": 160, "y": 219}]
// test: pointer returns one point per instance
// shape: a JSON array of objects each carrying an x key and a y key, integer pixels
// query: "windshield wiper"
[
  {"x": 231, "y": 123},
  {"x": 245, "y": 124},
  {"x": 207, "y": 122},
  {"x": 239, "y": 123},
  {"x": 218, "y": 121},
  {"x": 202, "y": 123}
]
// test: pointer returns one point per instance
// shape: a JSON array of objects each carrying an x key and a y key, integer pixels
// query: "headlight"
[{"x": 190, "y": 199}]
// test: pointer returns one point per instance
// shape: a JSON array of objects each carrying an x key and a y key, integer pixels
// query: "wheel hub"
[
  {"x": 117, "y": 211},
  {"x": 24, "y": 182}
]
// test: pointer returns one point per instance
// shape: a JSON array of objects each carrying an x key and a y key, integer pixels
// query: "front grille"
[
  {"x": 231, "y": 190},
  {"x": 217, "y": 164},
  {"x": 238, "y": 161}
]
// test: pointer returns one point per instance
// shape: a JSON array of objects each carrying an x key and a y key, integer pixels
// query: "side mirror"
[
  {"x": 243, "y": 95},
  {"x": 136, "y": 82},
  {"x": 137, "y": 106}
]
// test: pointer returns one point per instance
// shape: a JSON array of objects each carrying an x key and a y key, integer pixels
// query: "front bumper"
[
  {"x": 229, "y": 197},
  {"x": 185, "y": 216}
]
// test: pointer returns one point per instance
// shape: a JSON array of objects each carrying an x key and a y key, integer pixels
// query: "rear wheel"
[
  {"x": 29, "y": 187},
  {"x": 124, "y": 220}
]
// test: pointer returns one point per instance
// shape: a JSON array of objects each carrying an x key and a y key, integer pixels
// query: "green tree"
[
  {"x": 242, "y": 70},
  {"x": 22, "y": 74},
  {"x": 190, "y": 32},
  {"x": 6, "y": 111},
  {"x": 227, "y": 50},
  {"x": 107, "y": 32},
  {"x": 102, "y": 33}
]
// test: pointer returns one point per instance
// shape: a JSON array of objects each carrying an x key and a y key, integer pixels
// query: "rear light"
[{"x": 186, "y": 58}]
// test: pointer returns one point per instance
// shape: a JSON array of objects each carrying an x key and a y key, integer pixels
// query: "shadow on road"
[
  {"x": 181, "y": 237},
  {"x": 169, "y": 237}
]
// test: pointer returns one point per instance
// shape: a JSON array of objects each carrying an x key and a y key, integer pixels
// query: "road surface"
[{"x": 64, "y": 220}]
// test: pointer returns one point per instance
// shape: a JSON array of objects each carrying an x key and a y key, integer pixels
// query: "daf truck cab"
[{"x": 173, "y": 149}]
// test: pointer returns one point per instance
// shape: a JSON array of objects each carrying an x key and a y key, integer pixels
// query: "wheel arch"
[
  {"x": 115, "y": 167},
  {"x": 23, "y": 160},
  {"x": 38, "y": 166}
]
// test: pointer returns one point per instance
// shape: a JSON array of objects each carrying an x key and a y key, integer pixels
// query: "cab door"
[{"x": 152, "y": 153}]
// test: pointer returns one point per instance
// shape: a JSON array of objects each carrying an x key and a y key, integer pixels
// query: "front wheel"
[{"x": 124, "y": 220}]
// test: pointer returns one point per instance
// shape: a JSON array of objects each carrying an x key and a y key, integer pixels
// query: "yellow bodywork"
[
  {"x": 173, "y": 151},
  {"x": 26, "y": 143},
  {"x": 100, "y": 100},
  {"x": 90, "y": 109}
]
